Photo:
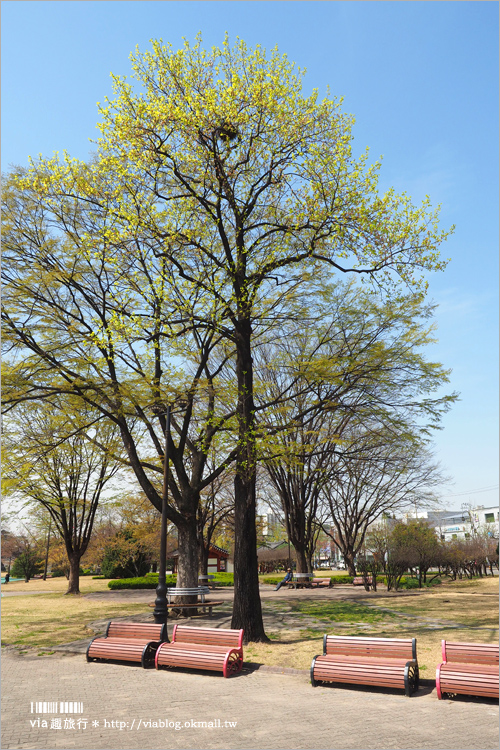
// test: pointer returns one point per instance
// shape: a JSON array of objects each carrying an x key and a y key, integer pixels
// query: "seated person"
[{"x": 286, "y": 579}]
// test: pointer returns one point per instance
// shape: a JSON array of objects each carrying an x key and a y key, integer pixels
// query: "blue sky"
[{"x": 421, "y": 79}]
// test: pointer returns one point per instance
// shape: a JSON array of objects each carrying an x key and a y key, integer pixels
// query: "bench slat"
[
  {"x": 385, "y": 662},
  {"x": 477, "y": 653},
  {"x": 213, "y": 649},
  {"x": 468, "y": 669}
]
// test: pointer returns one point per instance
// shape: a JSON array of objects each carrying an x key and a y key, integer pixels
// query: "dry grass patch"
[
  {"x": 296, "y": 648},
  {"x": 60, "y": 585},
  {"x": 52, "y": 619},
  {"x": 470, "y": 603},
  {"x": 473, "y": 604}
]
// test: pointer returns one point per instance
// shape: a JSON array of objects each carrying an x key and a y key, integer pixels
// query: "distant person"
[
  {"x": 286, "y": 579},
  {"x": 7, "y": 577}
]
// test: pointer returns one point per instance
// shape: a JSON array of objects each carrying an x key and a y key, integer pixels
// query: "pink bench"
[
  {"x": 215, "y": 649},
  {"x": 468, "y": 669}
]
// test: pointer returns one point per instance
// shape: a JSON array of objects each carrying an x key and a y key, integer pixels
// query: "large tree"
[
  {"x": 78, "y": 323},
  {"x": 218, "y": 167}
]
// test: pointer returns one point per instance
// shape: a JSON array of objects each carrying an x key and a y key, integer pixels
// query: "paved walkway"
[{"x": 130, "y": 707}]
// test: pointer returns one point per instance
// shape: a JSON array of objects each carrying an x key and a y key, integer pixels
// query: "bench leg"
[
  {"x": 411, "y": 678},
  {"x": 438, "y": 682},
  {"x": 313, "y": 681}
]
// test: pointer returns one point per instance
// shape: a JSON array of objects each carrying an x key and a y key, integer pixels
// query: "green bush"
[
  {"x": 408, "y": 583},
  {"x": 145, "y": 582},
  {"x": 223, "y": 579},
  {"x": 150, "y": 581},
  {"x": 26, "y": 565},
  {"x": 98, "y": 577}
]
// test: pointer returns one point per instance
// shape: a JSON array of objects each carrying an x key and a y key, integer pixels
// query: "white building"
[{"x": 461, "y": 524}]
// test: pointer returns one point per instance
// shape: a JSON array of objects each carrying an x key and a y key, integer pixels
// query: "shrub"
[
  {"x": 408, "y": 583},
  {"x": 144, "y": 582},
  {"x": 342, "y": 579},
  {"x": 224, "y": 579},
  {"x": 26, "y": 565}
]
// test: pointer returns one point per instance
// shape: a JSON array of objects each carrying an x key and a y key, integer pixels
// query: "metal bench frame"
[
  {"x": 200, "y": 591},
  {"x": 468, "y": 669},
  {"x": 381, "y": 662},
  {"x": 128, "y": 641},
  {"x": 213, "y": 649}
]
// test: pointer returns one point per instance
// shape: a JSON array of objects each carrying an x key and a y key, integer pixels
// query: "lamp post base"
[{"x": 160, "y": 612}]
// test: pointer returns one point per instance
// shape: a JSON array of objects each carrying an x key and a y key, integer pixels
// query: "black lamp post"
[{"x": 160, "y": 611}]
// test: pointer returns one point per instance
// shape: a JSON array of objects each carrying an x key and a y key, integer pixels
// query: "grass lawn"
[
  {"x": 456, "y": 610},
  {"x": 60, "y": 584},
  {"x": 428, "y": 615},
  {"x": 51, "y": 619}
]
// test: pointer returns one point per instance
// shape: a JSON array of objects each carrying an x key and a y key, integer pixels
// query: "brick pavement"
[{"x": 271, "y": 710}]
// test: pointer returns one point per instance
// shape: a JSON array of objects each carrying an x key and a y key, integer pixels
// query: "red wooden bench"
[
  {"x": 359, "y": 581},
  {"x": 128, "y": 641},
  {"x": 321, "y": 582},
  {"x": 309, "y": 583},
  {"x": 383, "y": 662},
  {"x": 469, "y": 669},
  {"x": 215, "y": 649}
]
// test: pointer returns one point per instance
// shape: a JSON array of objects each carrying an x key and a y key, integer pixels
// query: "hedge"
[
  {"x": 150, "y": 581},
  {"x": 146, "y": 582}
]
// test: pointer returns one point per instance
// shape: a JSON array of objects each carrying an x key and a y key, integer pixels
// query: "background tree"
[
  {"x": 346, "y": 394},
  {"x": 63, "y": 463},
  {"x": 222, "y": 170},
  {"x": 29, "y": 560},
  {"x": 215, "y": 510},
  {"x": 10, "y": 547},
  {"x": 421, "y": 545},
  {"x": 378, "y": 472}
]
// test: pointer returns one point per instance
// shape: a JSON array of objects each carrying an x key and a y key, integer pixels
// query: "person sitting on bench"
[{"x": 286, "y": 579}]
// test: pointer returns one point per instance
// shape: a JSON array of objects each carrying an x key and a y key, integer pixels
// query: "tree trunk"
[
  {"x": 302, "y": 563},
  {"x": 204, "y": 555},
  {"x": 247, "y": 609},
  {"x": 187, "y": 570},
  {"x": 349, "y": 561},
  {"x": 187, "y": 574},
  {"x": 74, "y": 574}
]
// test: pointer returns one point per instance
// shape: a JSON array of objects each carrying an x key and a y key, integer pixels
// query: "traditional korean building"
[{"x": 218, "y": 560}]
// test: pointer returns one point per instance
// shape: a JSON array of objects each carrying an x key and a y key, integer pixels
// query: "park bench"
[
  {"x": 359, "y": 581},
  {"x": 208, "y": 580},
  {"x": 215, "y": 649},
  {"x": 200, "y": 591},
  {"x": 309, "y": 583},
  {"x": 468, "y": 669},
  {"x": 382, "y": 662},
  {"x": 321, "y": 582},
  {"x": 128, "y": 641},
  {"x": 300, "y": 583}
]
